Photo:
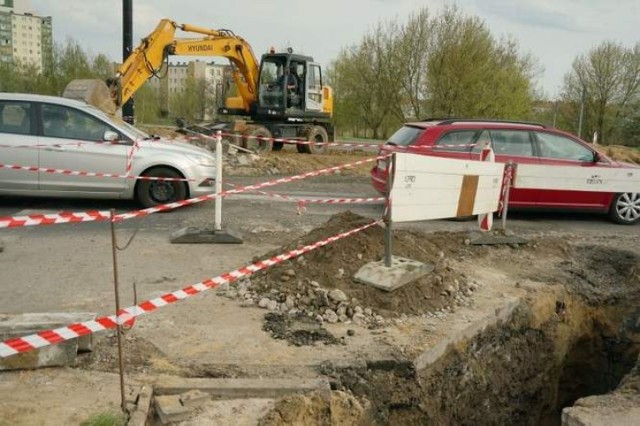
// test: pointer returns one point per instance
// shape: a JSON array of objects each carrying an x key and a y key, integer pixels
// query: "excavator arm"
[{"x": 147, "y": 60}]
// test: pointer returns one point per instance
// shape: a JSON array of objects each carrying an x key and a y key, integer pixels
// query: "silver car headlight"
[{"x": 202, "y": 160}]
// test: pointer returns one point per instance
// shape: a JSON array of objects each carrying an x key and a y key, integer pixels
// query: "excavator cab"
[{"x": 289, "y": 86}]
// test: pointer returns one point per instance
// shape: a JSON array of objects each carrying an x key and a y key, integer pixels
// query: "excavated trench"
[{"x": 579, "y": 338}]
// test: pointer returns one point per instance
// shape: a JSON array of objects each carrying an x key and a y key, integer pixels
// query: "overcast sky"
[{"x": 553, "y": 31}]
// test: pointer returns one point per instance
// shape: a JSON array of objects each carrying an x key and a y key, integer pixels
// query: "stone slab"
[
  {"x": 401, "y": 272},
  {"x": 203, "y": 236},
  {"x": 62, "y": 354},
  {"x": 241, "y": 388}
]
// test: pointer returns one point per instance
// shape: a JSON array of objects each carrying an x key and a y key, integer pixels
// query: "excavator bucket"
[{"x": 94, "y": 92}]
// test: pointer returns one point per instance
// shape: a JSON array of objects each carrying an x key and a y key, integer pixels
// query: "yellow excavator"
[{"x": 282, "y": 96}]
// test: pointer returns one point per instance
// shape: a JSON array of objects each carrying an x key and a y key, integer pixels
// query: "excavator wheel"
[
  {"x": 258, "y": 139},
  {"x": 316, "y": 134}
]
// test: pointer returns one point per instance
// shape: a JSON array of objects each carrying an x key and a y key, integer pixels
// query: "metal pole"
[
  {"x": 218, "y": 208},
  {"x": 580, "y": 119},
  {"x": 127, "y": 47},
  {"x": 118, "y": 327},
  {"x": 388, "y": 236}
]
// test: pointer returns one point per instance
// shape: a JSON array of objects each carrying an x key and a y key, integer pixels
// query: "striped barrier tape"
[
  {"x": 23, "y": 344},
  {"x": 90, "y": 174},
  {"x": 507, "y": 181},
  {"x": 51, "y": 219}
]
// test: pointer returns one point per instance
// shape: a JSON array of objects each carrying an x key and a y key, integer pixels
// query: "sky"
[{"x": 552, "y": 31}]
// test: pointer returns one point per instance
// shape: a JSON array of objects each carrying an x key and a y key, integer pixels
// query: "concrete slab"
[
  {"x": 401, "y": 272},
  {"x": 143, "y": 405},
  {"x": 241, "y": 388},
  {"x": 203, "y": 236},
  {"x": 62, "y": 354}
]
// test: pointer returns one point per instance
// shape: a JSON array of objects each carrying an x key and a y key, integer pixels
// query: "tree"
[
  {"x": 445, "y": 65},
  {"x": 470, "y": 74},
  {"x": 607, "y": 80}
]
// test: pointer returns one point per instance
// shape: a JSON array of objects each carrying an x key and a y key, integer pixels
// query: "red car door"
[{"x": 562, "y": 150}]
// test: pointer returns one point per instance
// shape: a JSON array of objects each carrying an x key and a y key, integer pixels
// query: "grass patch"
[{"x": 105, "y": 418}]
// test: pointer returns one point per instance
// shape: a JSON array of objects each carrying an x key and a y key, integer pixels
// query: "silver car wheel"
[{"x": 628, "y": 206}]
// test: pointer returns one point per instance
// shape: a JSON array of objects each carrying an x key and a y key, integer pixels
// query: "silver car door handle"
[{"x": 54, "y": 148}]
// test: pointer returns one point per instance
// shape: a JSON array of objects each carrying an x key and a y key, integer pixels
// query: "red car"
[{"x": 524, "y": 143}]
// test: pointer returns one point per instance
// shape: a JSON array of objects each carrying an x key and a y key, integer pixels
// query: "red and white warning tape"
[
  {"x": 507, "y": 181},
  {"x": 50, "y": 337},
  {"x": 90, "y": 174},
  {"x": 178, "y": 204},
  {"x": 52, "y": 219},
  {"x": 21, "y": 221}
]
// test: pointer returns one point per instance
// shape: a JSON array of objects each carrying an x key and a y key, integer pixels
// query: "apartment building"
[
  {"x": 25, "y": 37},
  {"x": 175, "y": 82}
]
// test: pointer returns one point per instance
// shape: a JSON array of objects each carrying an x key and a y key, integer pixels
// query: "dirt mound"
[
  {"x": 622, "y": 153},
  {"x": 338, "y": 408}
]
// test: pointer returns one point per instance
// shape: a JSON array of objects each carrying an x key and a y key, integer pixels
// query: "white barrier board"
[
  {"x": 428, "y": 187},
  {"x": 577, "y": 178}
]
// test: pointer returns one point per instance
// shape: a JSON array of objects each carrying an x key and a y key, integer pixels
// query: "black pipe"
[{"x": 127, "y": 48}]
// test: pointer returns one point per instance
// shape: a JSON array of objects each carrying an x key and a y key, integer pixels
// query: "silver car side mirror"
[{"x": 111, "y": 136}]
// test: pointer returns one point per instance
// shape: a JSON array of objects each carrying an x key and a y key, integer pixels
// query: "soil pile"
[
  {"x": 320, "y": 284},
  {"x": 338, "y": 408}
]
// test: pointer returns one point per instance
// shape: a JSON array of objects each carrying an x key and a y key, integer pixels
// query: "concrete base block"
[
  {"x": 402, "y": 271},
  {"x": 203, "y": 236},
  {"x": 62, "y": 354},
  {"x": 171, "y": 410}
]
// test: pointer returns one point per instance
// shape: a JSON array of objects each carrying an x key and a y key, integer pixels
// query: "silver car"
[{"x": 58, "y": 133}]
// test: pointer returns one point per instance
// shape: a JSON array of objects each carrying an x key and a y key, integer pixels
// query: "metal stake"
[
  {"x": 217, "y": 224},
  {"x": 388, "y": 236},
  {"x": 118, "y": 327}
]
